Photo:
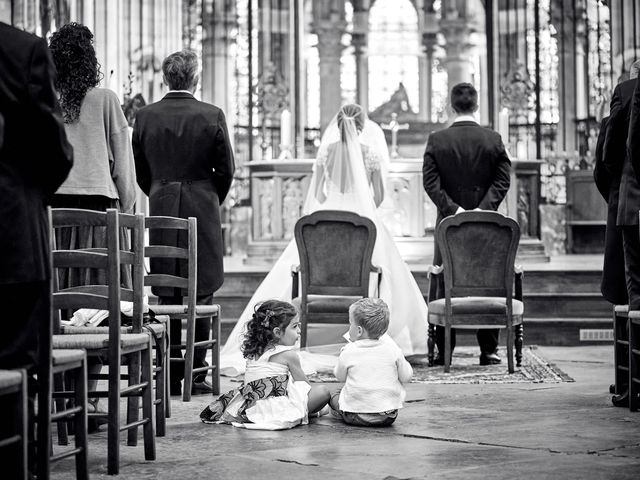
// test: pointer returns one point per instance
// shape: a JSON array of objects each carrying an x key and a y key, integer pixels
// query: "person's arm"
[
  {"x": 601, "y": 176},
  {"x": 57, "y": 158},
  {"x": 340, "y": 370},
  {"x": 613, "y": 151},
  {"x": 222, "y": 160},
  {"x": 633, "y": 142},
  {"x": 501, "y": 180},
  {"x": 405, "y": 372},
  {"x": 291, "y": 360},
  {"x": 432, "y": 184},
  {"x": 143, "y": 173},
  {"x": 123, "y": 169}
]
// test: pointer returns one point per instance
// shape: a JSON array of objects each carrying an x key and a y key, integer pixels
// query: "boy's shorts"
[{"x": 382, "y": 419}]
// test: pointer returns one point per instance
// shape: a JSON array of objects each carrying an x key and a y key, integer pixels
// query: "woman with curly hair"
[
  {"x": 276, "y": 393},
  {"x": 103, "y": 173}
]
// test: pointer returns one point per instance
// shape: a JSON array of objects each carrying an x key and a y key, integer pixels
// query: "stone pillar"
[
  {"x": 429, "y": 28},
  {"x": 360, "y": 42},
  {"x": 456, "y": 32},
  {"x": 622, "y": 33},
  {"x": 329, "y": 50}
]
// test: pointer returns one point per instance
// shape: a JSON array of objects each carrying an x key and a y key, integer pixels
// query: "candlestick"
[
  {"x": 285, "y": 127},
  {"x": 503, "y": 125}
]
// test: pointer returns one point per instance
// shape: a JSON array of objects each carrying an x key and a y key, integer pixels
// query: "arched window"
[{"x": 394, "y": 46}]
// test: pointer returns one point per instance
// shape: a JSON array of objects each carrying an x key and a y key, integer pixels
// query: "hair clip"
[{"x": 267, "y": 316}]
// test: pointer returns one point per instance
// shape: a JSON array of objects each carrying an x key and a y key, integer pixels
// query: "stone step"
[{"x": 537, "y": 331}]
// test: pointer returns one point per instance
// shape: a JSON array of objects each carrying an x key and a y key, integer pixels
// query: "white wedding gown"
[{"x": 408, "y": 310}]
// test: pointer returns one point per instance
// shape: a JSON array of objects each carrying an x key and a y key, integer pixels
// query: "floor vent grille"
[{"x": 596, "y": 335}]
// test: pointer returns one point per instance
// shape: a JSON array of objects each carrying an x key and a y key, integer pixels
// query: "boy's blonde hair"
[{"x": 372, "y": 314}]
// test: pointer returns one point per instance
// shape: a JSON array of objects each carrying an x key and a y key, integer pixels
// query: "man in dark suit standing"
[
  {"x": 617, "y": 160},
  {"x": 184, "y": 163},
  {"x": 466, "y": 167},
  {"x": 613, "y": 285},
  {"x": 35, "y": 158}
]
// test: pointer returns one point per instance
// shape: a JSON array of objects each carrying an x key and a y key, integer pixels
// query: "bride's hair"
[
  {"x": 266, "y": 317},
  {"x": 351, "y": 111}
]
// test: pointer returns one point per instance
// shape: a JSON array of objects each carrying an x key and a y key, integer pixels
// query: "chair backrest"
[
  {"x": 168, "y": 260},
  {"x": 103, "y": 297},
  {"x": 335, "y": 249},
  {"x": 478, "y": 252}
]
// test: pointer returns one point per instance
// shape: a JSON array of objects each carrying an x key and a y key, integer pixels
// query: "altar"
[{"x": 279, "y": 188}]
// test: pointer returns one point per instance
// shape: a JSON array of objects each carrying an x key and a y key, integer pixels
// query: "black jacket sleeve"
[
  {"x": 633, "y": 141},
  {"x": 501, "y": 180},
  {"x": 222, "y": 159},
  {"x": 143, "y": 173},
  {"x": 601, "y": 176},
  {"x": 432, "y": 185},
  {"x": 58, "y": 159},
  {"x": 614, "y": 149}
]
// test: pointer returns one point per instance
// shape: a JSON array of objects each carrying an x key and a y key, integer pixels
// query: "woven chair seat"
[
  {"x": 179, "y": 310},
  {"x": 9, "y": 378},
  {"x": 98, "y": 341},
  {"x": 156, "y": 328},
  {"x": 476, "y": 306},
  {"x": 63, "y": 356}
]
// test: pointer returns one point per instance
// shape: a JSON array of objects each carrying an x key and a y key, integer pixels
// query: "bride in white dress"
[{"x": 349, "y": 175}]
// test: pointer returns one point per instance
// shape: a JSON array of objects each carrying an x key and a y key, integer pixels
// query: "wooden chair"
[
  {"x": 72, "y": 363},
  {"x": 13, "y": 386},
  {"x": 135, "y": 258},
  {"x": 621, "y": 354},
  {"x": 634, "y": 360},
  {"x": 478, "y": 250},
  {"x": 115, "y": 347},
  {"x": 335, "y": 249},
  {"x": 188, "y": 283}
]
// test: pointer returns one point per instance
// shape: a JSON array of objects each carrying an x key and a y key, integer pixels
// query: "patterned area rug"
[{"x": 465, "y": 369}]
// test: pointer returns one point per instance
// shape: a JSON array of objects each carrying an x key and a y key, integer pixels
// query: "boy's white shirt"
[{"x": 373, "y": 372}]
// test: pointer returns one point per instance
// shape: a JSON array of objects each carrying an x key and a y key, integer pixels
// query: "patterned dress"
[{"x": 268, "y": 400}]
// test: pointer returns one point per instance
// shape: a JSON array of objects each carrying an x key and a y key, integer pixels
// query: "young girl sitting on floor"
[{"x": 276, "y": 393}]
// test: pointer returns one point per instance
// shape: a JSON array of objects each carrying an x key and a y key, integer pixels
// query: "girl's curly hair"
[
  {"x": 266, "y": 317},
  {"x": 77, "y": 67}
]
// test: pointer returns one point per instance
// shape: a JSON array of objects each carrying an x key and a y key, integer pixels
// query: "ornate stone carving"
[
  {"x": 523, "y": 207},
  {"x": 292, "y": 203},
  {"x": 272, "y": 92},
  {"x": 516, "y": 88}
]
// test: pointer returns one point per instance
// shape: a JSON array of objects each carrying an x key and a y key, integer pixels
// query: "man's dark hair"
[{"x": 464, "y": 98}]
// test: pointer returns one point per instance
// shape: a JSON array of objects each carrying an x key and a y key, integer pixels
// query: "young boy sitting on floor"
[{"x": 372, "y": 367}]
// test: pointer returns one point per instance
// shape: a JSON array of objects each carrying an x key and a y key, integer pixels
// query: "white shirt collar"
[
  {"x": 465, "y": 118},
  {"x": 180, "y": 91}
]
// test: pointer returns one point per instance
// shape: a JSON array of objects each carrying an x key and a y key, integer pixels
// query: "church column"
[
  {"x": 429, "y": 28},
  {"x": 329, "y": 50},
  {"x": 456, "y": 32},
  {"x": 360, "y": 42},
  {"x": 625, "y": 35}
]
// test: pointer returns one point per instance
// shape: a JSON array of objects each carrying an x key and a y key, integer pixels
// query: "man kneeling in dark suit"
[{"x": 466, "y": 167}]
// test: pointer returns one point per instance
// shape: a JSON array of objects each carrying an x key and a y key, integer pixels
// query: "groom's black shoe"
[
  {"x": 621, "y": 400},
  {"x": 202, "y": 386},
  {"x": 490, "y": 359}
]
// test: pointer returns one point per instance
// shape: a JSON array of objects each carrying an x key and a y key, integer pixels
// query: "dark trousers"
[
  {"x": 631, "y": 248},
  {"x": 488, "y": 339},
  {"x": 26, "y": 319},
  {"x": 202, "y": 330}
]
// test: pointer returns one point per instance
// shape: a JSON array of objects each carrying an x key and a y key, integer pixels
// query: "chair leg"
[
  {"x": 431, "y": 331},
  {"x": 215, "y": 353},
  {"x": 519, "y": 342},
  {"x": 621, "y": 352},
  {"x": 167, "y": 371},
  {"x": 188, "y": 359},
  {"x": 510, "y": 343},
  {"x": 447, "y": 348},
  {"x": 113, "y": 427},
  {"x": 147, "y": 405},
  {"x": 634, "y": 367},
  {"x": 303, "y": 327},
  {"x": 81, "y": 423},
  {"x": 161, "y": 388},
  {"x": 60, "y": 405},
  {"x": 43, "y": 432},
  {"x": 22, "y": 423},
  {"x": 133, "y": 402}
]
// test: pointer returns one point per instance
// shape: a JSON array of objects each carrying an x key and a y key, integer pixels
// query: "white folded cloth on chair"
[{"x": 91, "y": 317}]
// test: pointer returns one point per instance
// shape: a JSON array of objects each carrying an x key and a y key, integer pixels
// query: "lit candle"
[
  {"x": 503, "y": 125},
  {"x": 285, "y": 128}
]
